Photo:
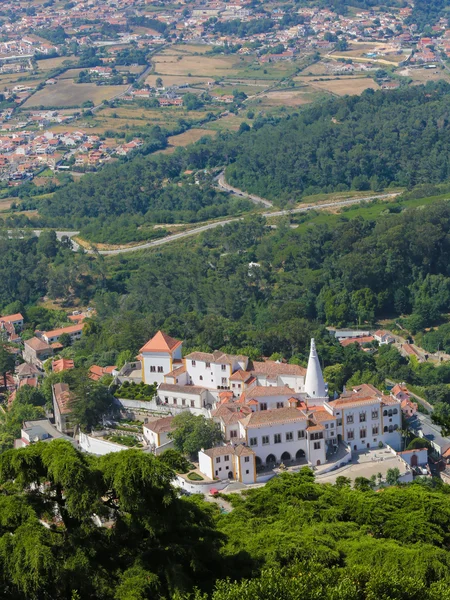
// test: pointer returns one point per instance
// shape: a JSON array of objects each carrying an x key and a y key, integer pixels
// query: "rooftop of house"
[
  {"x": 217, "y": 357},
  {"x": 26, "y": 370},
  {"x": 261, "y": 391},
  {"x": 162, "y": 425},
  {"x": 181, "y": 389},
  {"x": 96, "y": 372},
  {"x": 228, "y": 450},
  {"x": 12, "y": 318},
  {"x": 161, "y": 342},
  {"x": 61, "y": 392},
  {"x": 265, "y": 418},
  {"x": 36, "y": 344},
  {"x": 62, "y": 364},
  {"x": 272, "y": 367},
  {"x": 57, "y": 332}
]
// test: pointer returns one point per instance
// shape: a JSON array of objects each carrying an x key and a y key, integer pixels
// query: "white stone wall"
[
  {"x": 98, "y": 446},
  {"x": 205, "y": 464}
]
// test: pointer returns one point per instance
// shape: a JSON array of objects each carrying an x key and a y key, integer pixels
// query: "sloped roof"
[
  {"x": 62, "y": 397},
  {"x": 161, "y": 342},
  {"x": 162, "y": 425},
  {"x": 63, "y": 364},
  {"x": 264, "y": 418},
  {"x": 36, "y": 344}
]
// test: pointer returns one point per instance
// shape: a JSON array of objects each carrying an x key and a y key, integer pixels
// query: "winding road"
[{"x": 196, "y": 230}]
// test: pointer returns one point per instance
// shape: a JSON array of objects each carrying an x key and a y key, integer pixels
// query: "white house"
[
  {"x": 228, "y": 462},
  {"x": 160, "y": 355},
  {"x": 383, "y": 337},
  {"x": 156, "y": 433},
  {"x": 75, "y": 332}
]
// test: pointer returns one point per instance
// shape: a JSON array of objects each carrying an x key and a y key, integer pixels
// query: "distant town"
[{"x": 80, "y": 80}]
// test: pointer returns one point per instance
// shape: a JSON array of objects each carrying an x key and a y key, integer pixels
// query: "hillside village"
[{"x": 271, "y": 415}]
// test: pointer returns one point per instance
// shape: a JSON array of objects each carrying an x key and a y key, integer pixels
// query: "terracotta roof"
[
  {"x": 63, "y": 364},
  {"x": 162, "y": 425},
  {"x": 322, "y": 415},
  {"x": 175, "y": 372},
  {"x": 219, "y": 451},
  {"x": 181, "y": 389},
  {"x": 96, "y": 372},
  {"x": 260, "y": 391},
  {"x": 317, "y": 427},
  {"x": 57, "y": 332},
  {"x": 231, "y": 413},
  {"x": 217, "y": 357},
  {"x": 272, "y": 367},
  {"x": 26, "y": 369},
  {"x": 12, "y": 318},
  {"x": 389, "y": 401},
  {"x": 242, "y": 450},
  {"x": 240, "y": 375},
  {"x": 356, "y": 401},
  {"x": 62, "y": 396},
  {"x": 357, "y": 340},
  {"x": 161, "y": 342},
  {"x": 264, "y": 418},
  {"x": 36, "y": 344}
]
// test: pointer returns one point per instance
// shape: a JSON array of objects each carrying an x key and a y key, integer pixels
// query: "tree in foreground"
[{"x": 109, "y": 528}]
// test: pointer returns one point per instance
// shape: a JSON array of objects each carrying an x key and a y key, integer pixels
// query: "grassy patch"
[
  {"x": 67, "y": 93},
  {"x": 195, "y": 477}
]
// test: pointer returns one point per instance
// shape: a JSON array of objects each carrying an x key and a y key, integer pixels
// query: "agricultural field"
[
  {"x": 70, "y": 74},
  {"x": 183, "y": 64},
  {"x": 288, "y": 98},
  {"x": 67, "y": 93},
  {"x": 186, "y": 138},
  {"x": 423, "y": 75},
  {"x": 48, "y": 64},
  {"x": 169, "y": 80},
  {"x": 374, "y": 52},
  {"x": 344, "y": 85}
]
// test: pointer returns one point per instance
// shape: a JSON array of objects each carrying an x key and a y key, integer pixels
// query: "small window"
[
  {"x": 218, "y": 459},
  {"x": 362, "y": 433},
  {"x": 183, "y": 402},
  {"x": 374, "y": 414},
  {"x": 254, "y": 441},
  {"x": 233, "y": 434},
  {"x": 265, "y": 440},
  {"x": 226, "y": 458},
  {"x": 263, "y": 406},
  {"x": 350, "y": 435},
  {"x": 277, "y": 438},
  {"x": 160, "y": 370},
  {"x": 224, "y": 367},
  {"x": 152, "y": 369},
  {"x": 280, "y": 405},
  {"x": 174, "y": 400},
  {"x": 166, "y": 399},
  {"x": 193, "y": 363},
  {"x": 224, "y": 381},
  {"x": 247, "y": 459},
  {"x": 362, "y": 417},
  {"x": 289, "y": 436},
  {"x": 349, "y": 418},
  {"x": 201, "y": 377},
  {"x": 374, "y": 430},
  {"x": 247, "y": 472},
  {"x": 192, "y": 403},
  {"x": 316, "y": 445},
  {"x": 301, "y": 434},
  {"x": 207, "y": 365}
]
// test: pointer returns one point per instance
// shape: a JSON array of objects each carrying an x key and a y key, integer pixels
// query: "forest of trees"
[
  {"x": 311, "y": 541},
  {"x": 366, "y": 142},
  {"x": 398, "y": 138}
]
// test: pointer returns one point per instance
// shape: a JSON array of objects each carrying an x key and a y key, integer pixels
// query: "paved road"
[
  {"x": 196, "y": 230},
  {"x": 229, "y": 188}
]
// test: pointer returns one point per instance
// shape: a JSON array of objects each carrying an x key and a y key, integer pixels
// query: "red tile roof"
[{"x": 161, "y": 342}]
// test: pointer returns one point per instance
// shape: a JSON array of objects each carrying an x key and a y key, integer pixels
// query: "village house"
[
  {"x": 61, "y": 407},
  {"x": 228, "y": 462},
  {"x": 53, "y": 336},
  {"x": 37, "y": 351}
]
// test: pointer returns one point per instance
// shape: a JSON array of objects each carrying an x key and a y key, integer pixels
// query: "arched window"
[
  {"x": 385, "y": 429},
  {"x": 384, "y": 413},
  {"x": 395, "y": 411}
]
